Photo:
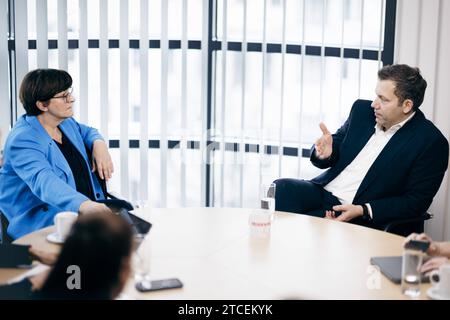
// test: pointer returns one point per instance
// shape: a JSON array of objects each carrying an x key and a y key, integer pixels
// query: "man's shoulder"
[
  {"x": 362, "y": 111},
  {"x": 362, "y": 106},
  {"x": 428, "y": 128}
]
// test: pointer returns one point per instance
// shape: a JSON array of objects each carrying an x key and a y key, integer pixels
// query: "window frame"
[{"x": 214, "y": 46}]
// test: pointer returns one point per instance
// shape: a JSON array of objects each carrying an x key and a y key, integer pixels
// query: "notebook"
[
  {"x": 391, "y": 267},
  {"x": 14, "y": 256}
]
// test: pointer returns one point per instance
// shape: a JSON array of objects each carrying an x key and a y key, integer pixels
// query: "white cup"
[
  {"x": 443, "y": 284},
  {"x": 63, "y": 222},
  {"x": 260, "y": 222}
]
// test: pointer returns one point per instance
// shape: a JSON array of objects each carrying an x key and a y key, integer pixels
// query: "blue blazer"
[
  {"x": 404, "y": 178},
  {"x": 36, "y": 181}
]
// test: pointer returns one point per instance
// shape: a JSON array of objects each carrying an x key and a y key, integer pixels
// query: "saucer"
[
  {"x": 55, "y": 238},
  {"x": 433, "y": 294}
]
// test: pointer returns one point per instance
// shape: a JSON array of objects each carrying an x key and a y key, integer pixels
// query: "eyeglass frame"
[{"x": 66, "y": 97}]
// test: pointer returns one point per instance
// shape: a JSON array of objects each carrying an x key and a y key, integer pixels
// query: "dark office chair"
[
  {"x": 4, "y": 238},
  {"x": 405, "y": 227}
]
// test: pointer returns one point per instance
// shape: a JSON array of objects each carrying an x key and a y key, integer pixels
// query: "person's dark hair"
[
  {"x": 409, "y": 83},
  {"x": 41, "y": 85},
  {"x": 100, "y": 245}
]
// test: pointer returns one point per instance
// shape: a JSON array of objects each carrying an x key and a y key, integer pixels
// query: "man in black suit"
[{"x": 385, "y": 163}]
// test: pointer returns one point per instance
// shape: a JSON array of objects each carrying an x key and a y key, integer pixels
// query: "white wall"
[{"x": 423, "y": 40}]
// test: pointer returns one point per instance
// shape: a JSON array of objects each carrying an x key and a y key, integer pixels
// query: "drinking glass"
[
  {"x": 267, "y": 197},
  {"x": 411, "y": 275}
]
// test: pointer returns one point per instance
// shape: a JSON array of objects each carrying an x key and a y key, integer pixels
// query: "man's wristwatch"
[{"x": 366, "y": 215}]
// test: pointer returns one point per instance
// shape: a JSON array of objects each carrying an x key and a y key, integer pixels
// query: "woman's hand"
[
  {"x": 433, "y": 249},
  {"x": 433, "y": 264},
  {"x": 101, "y": 160}
]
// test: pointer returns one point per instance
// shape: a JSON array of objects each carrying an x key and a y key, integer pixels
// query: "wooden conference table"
[{"x": 212, "y": 251}]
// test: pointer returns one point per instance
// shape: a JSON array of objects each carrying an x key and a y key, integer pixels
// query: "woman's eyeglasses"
[{"x": 66, "y": 96}]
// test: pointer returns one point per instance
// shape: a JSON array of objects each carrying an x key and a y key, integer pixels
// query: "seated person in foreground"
[
  {"x": 100, "y": 245},
  {"x": 385, "y": 163},
  {"x": 440, "y": 251},
  {"x": 46, "y": 164}
]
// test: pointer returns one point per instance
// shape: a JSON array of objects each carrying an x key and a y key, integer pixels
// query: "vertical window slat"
[
  {"x": 5, "y": 104},
  {"x": 263, "y": 95},
  {"x": 184, "y": 48},
  {"x": 283, "y": 62},
  {"x": 242, "y": 128},
  {"x": 83, "y": 62},
  {"x": 223, "y": 99},
  {"x": 302, "y": 77},
  {"x": 21, "y": 41},
  {"x": 204, "y": 97},
  {"x": 104, "y": 73},
  {"x": 143, "y": 143},
  {"x": 164, "y": 83},
  {"x": 322, "y": 59},
  {"x": 361, "y": 39},
  {"x": 341, "y": 60},
  {"x": 124, "y": 101},
  {"x": 380, "y": 43},
  {"x": 42, "y": 33},
  {"x": 62, "y": 35}
]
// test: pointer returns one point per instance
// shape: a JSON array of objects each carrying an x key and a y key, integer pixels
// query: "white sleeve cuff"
[{"x": 370, "y": 210}]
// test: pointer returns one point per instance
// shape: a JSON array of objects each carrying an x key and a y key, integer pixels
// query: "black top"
[
  {"x": 78, "y": 166},
  {"x": 17, "y": 291}
]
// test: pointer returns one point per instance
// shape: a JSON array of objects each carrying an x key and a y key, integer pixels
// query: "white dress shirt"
[{"x": 345, "y": 185}]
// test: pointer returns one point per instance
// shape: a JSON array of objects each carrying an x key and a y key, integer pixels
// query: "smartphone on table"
[
  {"x": 417, "y": 245},
  {"x": 154, "y": 285}
]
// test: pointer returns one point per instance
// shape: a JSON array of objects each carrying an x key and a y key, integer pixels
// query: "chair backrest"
[
  {"x": 4, "y": 238},
  {"x": 408, "y": 226}
]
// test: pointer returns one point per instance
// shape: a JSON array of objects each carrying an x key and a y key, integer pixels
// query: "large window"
[{"x": 201, "y": 100}]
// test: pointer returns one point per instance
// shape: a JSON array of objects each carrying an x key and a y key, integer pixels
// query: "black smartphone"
[
  {"x": 145, "y": 286},
  {"x": 417, "y": 245}
]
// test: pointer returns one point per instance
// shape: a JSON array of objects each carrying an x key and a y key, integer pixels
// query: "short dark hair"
[
  {"x": 42, "y": 85},
  {"x": 409, "y": 83},
  {"x": 99, "y": 244}
]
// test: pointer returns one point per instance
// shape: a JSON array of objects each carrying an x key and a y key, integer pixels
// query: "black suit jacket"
[{"x": 406, "y": 175}]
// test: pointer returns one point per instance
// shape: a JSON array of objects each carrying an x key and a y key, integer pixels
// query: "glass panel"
[{"x": 336, "y": 12}]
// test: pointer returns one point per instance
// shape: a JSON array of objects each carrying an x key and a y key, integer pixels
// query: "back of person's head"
[
  {"x": 99, "y": 246},
  {"x": 409, "y": 83},
  {"x": 42, "y": 85}
]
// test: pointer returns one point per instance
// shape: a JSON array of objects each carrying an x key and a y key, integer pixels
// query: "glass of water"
[
  {"x": 267, "y": 196},
  {"x": 141, "y": 259},
  {"x": 411, "y": 275}
]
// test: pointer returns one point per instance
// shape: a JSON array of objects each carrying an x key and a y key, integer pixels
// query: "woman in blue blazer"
[{"x": 46, "y": 166}]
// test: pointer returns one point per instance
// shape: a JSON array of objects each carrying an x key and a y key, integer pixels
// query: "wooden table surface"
[{"x": 212, "y": 251}]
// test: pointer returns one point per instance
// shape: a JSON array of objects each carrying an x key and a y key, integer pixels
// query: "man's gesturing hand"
[{"x": 324, "y": 145}]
